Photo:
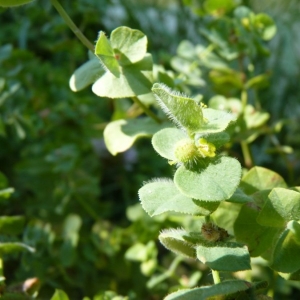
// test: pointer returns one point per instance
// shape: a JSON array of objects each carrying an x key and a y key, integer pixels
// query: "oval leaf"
[
  {"x": 164, "y": 142},
  {"x": 130, "y": 45},
  {"x": 161, "y": 196},
  {"x": 215, "y": 182},
  {"x": 120, "y": 135},
  {"x": 134, "y": 80}
]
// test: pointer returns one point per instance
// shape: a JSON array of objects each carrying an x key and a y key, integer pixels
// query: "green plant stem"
[
  {"x": 72, "y": 26},
  {"x": 216, "y": 276},
  {"x": 244, "y": 99},
  {"x": 146, "y": 110},
  {"x": 247, "y": 154},
  {"x": 245, "y": 146}
]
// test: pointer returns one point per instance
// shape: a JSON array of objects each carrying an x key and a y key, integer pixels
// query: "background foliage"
[{"x": 77, "y": 205}]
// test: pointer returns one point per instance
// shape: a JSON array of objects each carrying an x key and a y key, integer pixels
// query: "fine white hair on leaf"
[
  {"x": 169, "y": 114},
  {"x": 103, "y": 66},
  {"x": 172, "y": 231},
  {"x": 162, "y": 179},
  {"x": 170, "y": 91}
]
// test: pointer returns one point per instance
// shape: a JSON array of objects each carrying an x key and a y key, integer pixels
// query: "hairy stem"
[
  {"x": 146, "y": 109},
  {"x": 72, "y": 25}
]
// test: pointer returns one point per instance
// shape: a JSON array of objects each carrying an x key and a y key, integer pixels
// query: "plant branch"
[
  {"x": 72, "y": 25},
  {"x": 146, "y": 109},
  {"x": 247, "y": 154}
]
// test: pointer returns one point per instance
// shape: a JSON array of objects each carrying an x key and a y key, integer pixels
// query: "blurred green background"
[{"x": 80, "y": 203}]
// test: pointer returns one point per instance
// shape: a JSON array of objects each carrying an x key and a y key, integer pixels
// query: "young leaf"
[
  {"x": 106, "y": 55},
  {"x": 183, "y": 111},
  {"x": 206, "y": 292},
  {"x": 216, "y": 181},
  {"x": 224, "y": 256},
  {"x": 173, "y": 239},
  {"x": 120, "y": 135},
  {"x": 162, "y": 196}
]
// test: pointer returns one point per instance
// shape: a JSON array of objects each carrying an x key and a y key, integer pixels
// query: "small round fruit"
[{"x": 186, "y": 151}]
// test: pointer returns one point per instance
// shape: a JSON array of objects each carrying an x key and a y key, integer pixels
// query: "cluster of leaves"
[{"x": 226, "y": 220}]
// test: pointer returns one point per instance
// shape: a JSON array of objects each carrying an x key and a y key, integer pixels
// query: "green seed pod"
[
  {"x": 186, "y": 151},
  {"x": 9, "y": 3},
  {"x": 213, "y": 233}
]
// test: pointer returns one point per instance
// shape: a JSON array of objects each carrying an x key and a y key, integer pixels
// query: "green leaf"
[
  {"x": 224, "y": 256},
  {"x": 259, "y": 178},
  {"x": 286, "y": 257},
  {"x": 11, "y": 225},
  {"x": 205, "y": 292},
  {"x": 164, "y": 142},
  {"x": 255, "y": 119},
  {"x": 215, "y": 181},
  {"x": 14, "y": 247},
  {"x": 219, "y": 7},
  {"x": 173, "y": 239},
  {"x": 6, "y": 193},
  {"x": 86, "y": 74},
  {"x": 283, "y": 205},
  {"x": 258, "y": 238},
  {"x": 258, "y": 82},
  {"x": 265, "y": 26},
  {"x": 162, "y": 196},
  {"x": 239, "y": 197},
  {"x": 120, "y": 135},
  {"x": 106, "y": 55},
  {"x": 134, "y": 80},
  {"x": 59, "y": 295},
  {"x": 183, "y": 111},
  {"x": 129, "y": 45},
  {"x": 137, "y": 252}
]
